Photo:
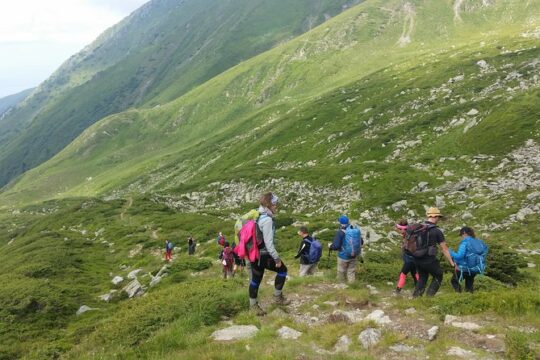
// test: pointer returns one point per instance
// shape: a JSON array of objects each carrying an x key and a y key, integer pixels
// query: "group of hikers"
[
  {"x": 254, "y": 247},
  {"x": 255, "y": 233},
  {"x": 169, "y": 247}
]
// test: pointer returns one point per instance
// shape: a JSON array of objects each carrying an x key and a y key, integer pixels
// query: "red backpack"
[
  {"x": 228, "y": 256},
  {"x": 250, "y": 240}
]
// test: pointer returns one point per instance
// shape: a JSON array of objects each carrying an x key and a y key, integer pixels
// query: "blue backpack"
[
  {"x": 475, "y": 257},
  {"x": 315, "y": 251},
  {"x": 352, "y": 244}
]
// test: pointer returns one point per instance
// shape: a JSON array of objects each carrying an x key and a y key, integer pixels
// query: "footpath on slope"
[{"x": 365, "y": 320}]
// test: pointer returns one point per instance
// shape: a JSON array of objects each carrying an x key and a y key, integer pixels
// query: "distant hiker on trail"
[
  {"x": 470, "y": 260},
  {"x": 168, "y": 250},
  {"x": 422, "y": 241},
  {"x": 221, "y": 239},
  {"x": 238, "y": 262},
  {"x": 191, "y": 245},
  {"x": 310, "y": 252},
  {"x": 268, "y": 256},
  {"x": 348, "y": 241},
  {"x": 227, "y": 260},
  {"x": 408, "y": 260}
]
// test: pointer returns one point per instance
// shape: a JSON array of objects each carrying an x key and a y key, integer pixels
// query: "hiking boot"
[
  {"x": 281, "y": 300},
  {"x": 397, "y": 291},
  {"x": 257, "y": 310}
]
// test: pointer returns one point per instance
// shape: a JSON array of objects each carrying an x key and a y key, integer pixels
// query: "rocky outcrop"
[{"x": 235, "y": 332}]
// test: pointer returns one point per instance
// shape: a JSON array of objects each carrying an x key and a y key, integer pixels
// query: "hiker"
[
  {"x": 168, "y": 250},
  {"x": 470, "y": 259},
  {"x": 221, "y": 239},
  {"x": 238, "y": 262},
  {"x": 408, "y": 260},
  {"x": 425, "y": 260},
  {"x": 268, "y": 255},
  {"x": 227, "y": 260},
  {"x": 348, "y": 241},
  {"x": 191, "y": 245},
  {"x": 309, "y": 253}
]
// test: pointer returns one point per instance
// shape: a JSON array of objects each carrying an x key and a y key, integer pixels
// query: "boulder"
[
  {"x": 84, "y": 309},
  {"x": 287, "y": 333},
  {"x": 378, "y": 317},
  {"x": 133, "y": 274},
  {"x": 107, "y": 297},
  {"x": 134, "y": 288},
  {"x": 352, "y": 316},
  {"x": 410, "y": 311},
  {"x": 235, "y": 332},
  {"x": 459, "y": 352},
  {"x": 369, "y": 337},
  {"x": 398, "y": 206},
  {"x": 343, "y": 344},
  {"x": 400, "y": 348},
  {"x": 117, "y": 280},
  {"x": 432, "y": 333}
]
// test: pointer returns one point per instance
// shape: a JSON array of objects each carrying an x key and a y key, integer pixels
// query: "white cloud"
[{"x": 27, "y": 27}]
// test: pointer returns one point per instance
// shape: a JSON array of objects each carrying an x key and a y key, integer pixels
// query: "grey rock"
[
  {"x": 369, "y": 337},
  {"x": 235, "y": 332},
  {"x": 398, "y": 206},
  {"x": 287, "y": 333},
  {"x": 134, "y": 288},
  {"x": 117, "y": 280},
  {"x": 410, "y": 311},
  {"x": 439, "y": 202},
  {"x": 466, "y": 325},
  {"x": 352, "y": 316},
  {"x": 432, "y": 333},
  {"x": 133, "y": 274},
  {"x": 107, "y": 297},
  {"x": 449, "y": 319},
  {"x": 467, "y": 215},
  {"x": 459, "y": 352},
  {"x": 448, "y": 173},
  {"x": 331, "y": 303},
  {"x": 84, "y": 309},
  {"x": 343, "y": 344},
  {"x": 378, "y": 317},
  {"x": 401, "y": 348}
]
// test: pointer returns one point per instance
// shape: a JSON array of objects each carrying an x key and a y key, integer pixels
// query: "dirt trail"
[
  {"x": 126, "y": 207},
  {"x": 457, "y": 10},
  {"x": 408, "y": 24}
]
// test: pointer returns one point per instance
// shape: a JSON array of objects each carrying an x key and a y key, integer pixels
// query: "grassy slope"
[
  {"x": 12, "y": 100},
  {"x": 279, "y": 83},
  {"x": 156, "y": 326},
  {"x": 161, "y": 51}
]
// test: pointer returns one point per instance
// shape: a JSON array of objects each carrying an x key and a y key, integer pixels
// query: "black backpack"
[{"x": 416, "y": 240}]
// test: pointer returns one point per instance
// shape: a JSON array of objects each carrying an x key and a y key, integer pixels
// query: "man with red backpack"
[
  {"x": 227, "y": 260},
  {"x": 425, "y": 238}
]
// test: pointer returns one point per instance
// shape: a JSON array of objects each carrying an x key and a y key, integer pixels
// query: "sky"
[{"x": 37, "y": 36}]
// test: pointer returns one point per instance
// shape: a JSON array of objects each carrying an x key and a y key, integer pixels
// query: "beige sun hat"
[{"x": 433, "y": 212}]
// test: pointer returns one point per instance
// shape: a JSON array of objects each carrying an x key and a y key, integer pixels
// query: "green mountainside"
[
  {"x": 387, "y": 108},
  {"x": 158, "y": 53},
  {"x": 8, "y": 102}
]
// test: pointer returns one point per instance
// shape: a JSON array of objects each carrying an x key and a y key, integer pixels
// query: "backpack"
[
  {"x": 315, "y": 251},
  {"x": 475, "y": 257},
  {"x": 170, "y": 246},
  {"x": 416, "y": 240},
  {"x": 221, "y": 240},
  {"x": 352, "y": 243},
  {"x": 228, "y": 256},
  {"x": 250, "y": 240}
]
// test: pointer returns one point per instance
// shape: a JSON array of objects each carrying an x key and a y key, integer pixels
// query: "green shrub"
[{"x": 517, "y": 347}]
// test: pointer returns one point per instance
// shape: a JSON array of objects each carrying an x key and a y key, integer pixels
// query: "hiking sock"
[
  {"x": 401, "y": 281},
  {"x": 252, "y": 302}
]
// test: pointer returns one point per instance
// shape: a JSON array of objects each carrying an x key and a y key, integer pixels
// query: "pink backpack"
[{"x": 250, "y": 239}]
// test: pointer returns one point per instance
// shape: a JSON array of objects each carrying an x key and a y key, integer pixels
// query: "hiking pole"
[{"x": 328, "y": 258}]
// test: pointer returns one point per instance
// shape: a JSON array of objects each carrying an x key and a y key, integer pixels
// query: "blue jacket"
[{"x": 459, "y": 256}]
